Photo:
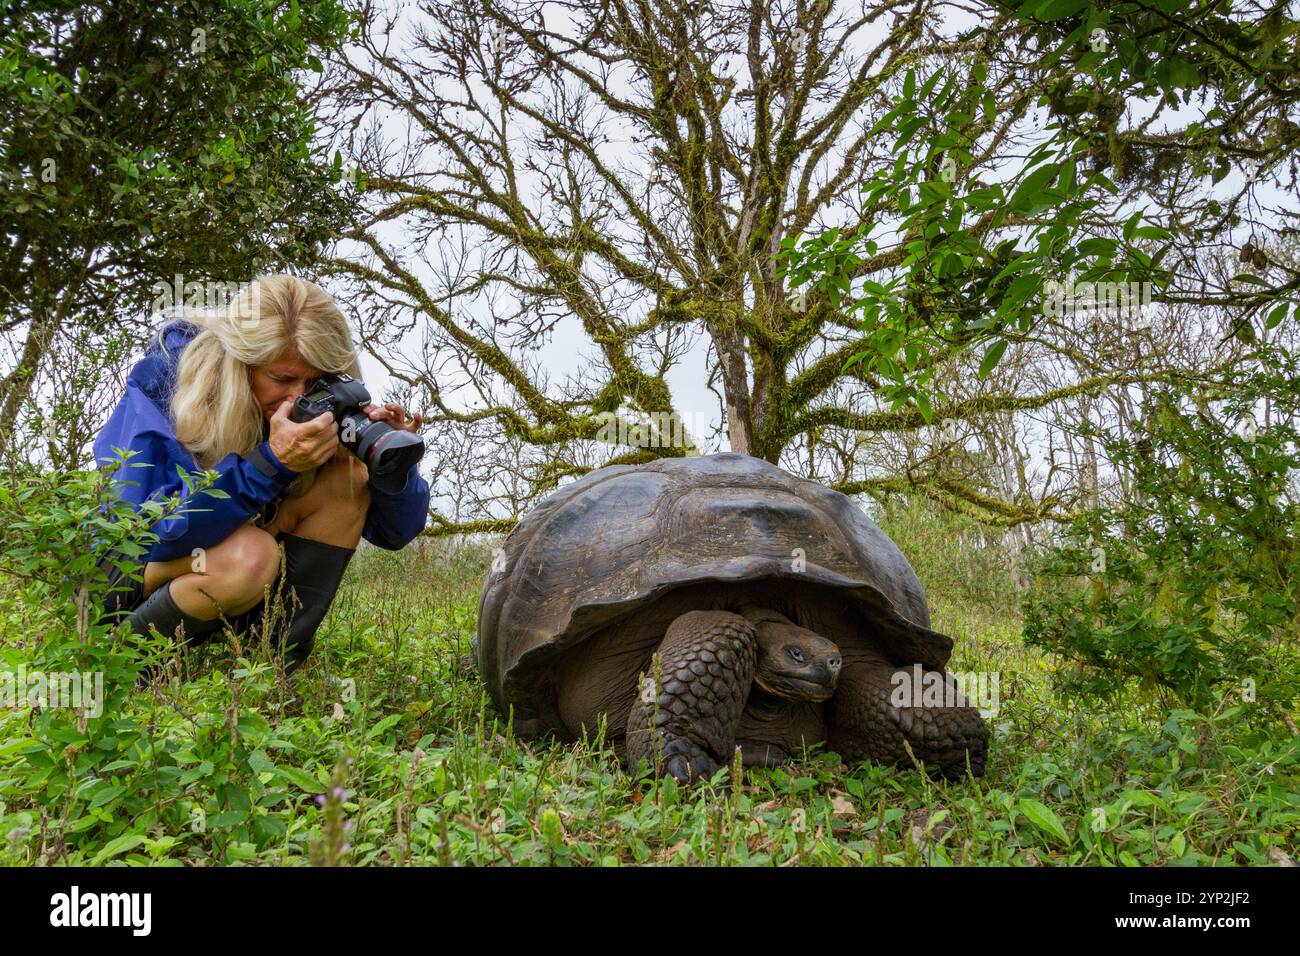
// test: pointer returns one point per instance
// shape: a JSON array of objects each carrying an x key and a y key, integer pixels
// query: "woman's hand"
[
  {"x": 394, "y": 415},
  {"x": 302, "y": 447}
]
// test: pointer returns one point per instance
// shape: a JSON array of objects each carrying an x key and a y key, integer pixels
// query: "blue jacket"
[{"x": 141, "y": 423}]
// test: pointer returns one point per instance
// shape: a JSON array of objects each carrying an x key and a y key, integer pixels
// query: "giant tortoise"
[{"x": 705, "y": 603}]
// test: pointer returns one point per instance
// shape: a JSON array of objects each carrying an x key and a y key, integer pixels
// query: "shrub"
[
  {"x": 114, "y": 773},
  {"x": 1191, "y": 583}
]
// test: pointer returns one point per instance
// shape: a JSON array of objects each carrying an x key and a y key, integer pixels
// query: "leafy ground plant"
[
  {"x": 238, "y": 765},
  {"x": 1189, "y": 584}
]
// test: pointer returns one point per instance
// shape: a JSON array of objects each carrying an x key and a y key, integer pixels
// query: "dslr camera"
[{"x": 387, "y": 451}]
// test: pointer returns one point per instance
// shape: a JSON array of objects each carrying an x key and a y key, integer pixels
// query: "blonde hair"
[{"x": 213, "y": 407}]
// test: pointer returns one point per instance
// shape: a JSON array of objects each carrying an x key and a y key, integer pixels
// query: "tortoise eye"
[{"x": 797, "y": 654}]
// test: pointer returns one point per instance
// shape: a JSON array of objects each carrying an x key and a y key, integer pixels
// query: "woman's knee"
[
  {"x": 240, "y": 566},
  {"x": 249, "y": 560}
]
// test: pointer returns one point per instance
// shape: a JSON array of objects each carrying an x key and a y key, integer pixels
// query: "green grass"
[{"x": 226, "y": 768}]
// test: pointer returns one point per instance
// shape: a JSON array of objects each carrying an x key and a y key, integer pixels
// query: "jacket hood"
[{"x": 155, "y": 374}]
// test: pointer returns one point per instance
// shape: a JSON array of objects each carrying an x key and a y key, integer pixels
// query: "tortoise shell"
[{"x": 623, "y": 536}]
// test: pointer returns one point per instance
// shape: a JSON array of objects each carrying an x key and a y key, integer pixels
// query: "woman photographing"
[{"x": 215, "y": 391}]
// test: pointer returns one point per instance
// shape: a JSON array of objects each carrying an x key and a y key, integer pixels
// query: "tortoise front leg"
[
  {"x": 707, "y": 667},
  {"x": 865, "y": 725}
]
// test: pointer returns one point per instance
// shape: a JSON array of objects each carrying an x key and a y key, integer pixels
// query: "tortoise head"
[{"x": 793, "y": 662}]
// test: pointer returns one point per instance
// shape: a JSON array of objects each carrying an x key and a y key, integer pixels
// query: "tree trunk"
[
  {"x": 47, "y": 319},
  {"x": 17, "y": 384},
  {"x": 735, "y": 386}
]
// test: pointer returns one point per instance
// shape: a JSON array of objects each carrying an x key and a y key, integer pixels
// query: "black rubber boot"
[
  {"x": 160, "y": 612},
  {"x": 314, "y": 571}
]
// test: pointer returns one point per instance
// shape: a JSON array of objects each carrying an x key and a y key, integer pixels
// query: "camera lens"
[{"x": 385, "y": 450}]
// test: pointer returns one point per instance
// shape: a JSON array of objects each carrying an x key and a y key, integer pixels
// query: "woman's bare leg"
[
  {"x": 227, "y": 578},
  {"x": 333, "y": 510},
  {"x": 230, "y": 578}
]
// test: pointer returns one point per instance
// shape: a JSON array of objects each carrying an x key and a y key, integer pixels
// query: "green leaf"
[
  {"x": 301, "y": 779},
  {"x": 119, "y": 845},
  {"x": 1177, "y": 74},
  {"x": 227, "y": 819},
  {"x": 385, "y": 724},
  {"x": 907, "y": 129},
  {"x": 1141, "y": 798},
  {"x": 923, "y": 405},
  {"x": 1022, "y": 288},
  {"x": 1150, "y": 232},
  {"x": 259, "y": 762},
  {"x": 1131, "y": 224},
  {"x": 1060, "y": 9},
  {"x": 1098, "y": 247},
  {"x": 1033, "y": 185},
  {"x": 1044, "y": 818},
  {"x": 929, "y": 85},
  {"x": 106, "y": 795},
  {"x": 991, "y": 356},
  {"x": 195, "y": 773}
]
